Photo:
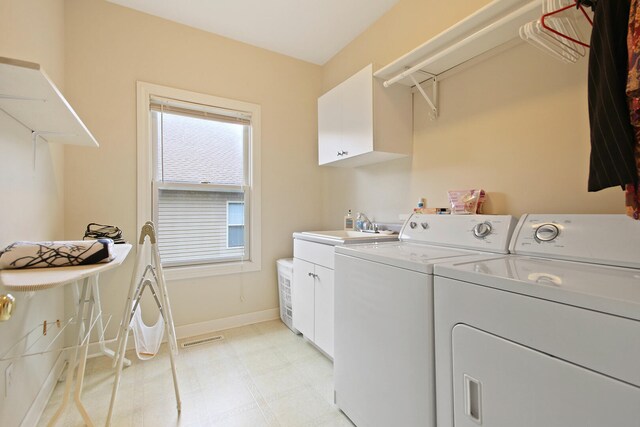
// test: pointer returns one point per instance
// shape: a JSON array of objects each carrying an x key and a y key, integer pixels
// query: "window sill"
[{"x": 200, "y": 271}]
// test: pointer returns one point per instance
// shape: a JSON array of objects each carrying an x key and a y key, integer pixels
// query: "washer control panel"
[
  {"x": 597, "y": 238},
  {"x": 480, "y": 232}
]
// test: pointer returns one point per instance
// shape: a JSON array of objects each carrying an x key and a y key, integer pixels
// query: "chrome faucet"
[{"x": 363, "y": 223}]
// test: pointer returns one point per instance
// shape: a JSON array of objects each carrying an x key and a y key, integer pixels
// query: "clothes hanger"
[
  {"x": 548, "y": 43},
  {"x": 571, "y": 37},
  {"x": 588, "y": 3}
]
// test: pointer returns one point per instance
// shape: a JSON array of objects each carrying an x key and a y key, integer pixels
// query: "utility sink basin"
[{"x": 345, "y": 237}]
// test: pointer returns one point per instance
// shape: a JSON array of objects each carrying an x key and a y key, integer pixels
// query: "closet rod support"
[
  {"x": 432, "y": 103},
  {"x": 41, "y": 133}
]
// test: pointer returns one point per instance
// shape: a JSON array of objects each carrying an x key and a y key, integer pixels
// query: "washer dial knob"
[
  {"x": 546, "y": 232},
  {"x": 413, "y": 224},
  {"x": 482, "y": 230},
  {"x": 424, "y": 225}
]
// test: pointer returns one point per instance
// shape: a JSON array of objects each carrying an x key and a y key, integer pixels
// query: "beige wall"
[
  {"x": 32, "y": 199},
  {"x": 515, "y": 124},
  {"x": 109, "y": 48}
]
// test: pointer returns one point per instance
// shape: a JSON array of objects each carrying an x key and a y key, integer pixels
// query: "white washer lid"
[
  {"x": 607, "y": 289},
  {"x": 416, "y": 257}
]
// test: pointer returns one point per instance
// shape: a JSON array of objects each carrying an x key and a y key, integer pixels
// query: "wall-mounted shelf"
[
  {"x": 491, "y": 26},
  {"x": 30, "y": 97}
]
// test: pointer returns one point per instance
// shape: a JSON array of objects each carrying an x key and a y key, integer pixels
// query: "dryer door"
[{"x": 498, "y": 383}]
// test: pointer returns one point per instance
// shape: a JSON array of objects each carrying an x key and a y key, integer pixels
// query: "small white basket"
[{"x": 285, "y": 277}]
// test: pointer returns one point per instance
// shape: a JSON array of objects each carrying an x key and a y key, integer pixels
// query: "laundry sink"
[{"x": 344, "y": 237}]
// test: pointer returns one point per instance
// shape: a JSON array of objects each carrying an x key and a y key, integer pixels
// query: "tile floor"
[{"x": 259, "y": 375}]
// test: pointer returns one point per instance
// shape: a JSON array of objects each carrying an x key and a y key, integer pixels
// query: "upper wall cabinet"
[
  {"x": 360, "y": 122},
  {"x": 30, "y": 97}
]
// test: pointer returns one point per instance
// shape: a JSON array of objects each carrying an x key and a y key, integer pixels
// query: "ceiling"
[{"x": 311, "y": 30}]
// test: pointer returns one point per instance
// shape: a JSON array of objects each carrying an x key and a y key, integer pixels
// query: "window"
[
  {"x": 198, "y": 156},
  {"x": 235, "y": 224}
]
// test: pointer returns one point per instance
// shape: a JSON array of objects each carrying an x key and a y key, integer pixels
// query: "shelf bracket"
[
  {"x": 34, "y": 139},
  {"x": 432, "y": 103},
  {"x": 34, "y": 142}
]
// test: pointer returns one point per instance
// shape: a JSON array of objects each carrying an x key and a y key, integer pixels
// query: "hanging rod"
[{"x": 486, "y": 38}]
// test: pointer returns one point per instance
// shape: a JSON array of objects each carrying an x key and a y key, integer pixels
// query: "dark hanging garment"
[{"x": 612, "y": 138}]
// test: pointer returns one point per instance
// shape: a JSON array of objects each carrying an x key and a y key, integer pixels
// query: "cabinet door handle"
[
  {"x": 343, "y": 153},
  {"x": 313, "y": 275}
]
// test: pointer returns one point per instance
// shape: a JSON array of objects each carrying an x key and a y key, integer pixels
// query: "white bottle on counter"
[{"x": 348, "y": 221}]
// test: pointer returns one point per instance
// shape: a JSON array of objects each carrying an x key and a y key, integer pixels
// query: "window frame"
[{"x": 146, "y": 190}]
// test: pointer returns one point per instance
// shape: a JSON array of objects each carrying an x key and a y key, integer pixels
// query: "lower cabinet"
[{"x": 312, "y": 298}]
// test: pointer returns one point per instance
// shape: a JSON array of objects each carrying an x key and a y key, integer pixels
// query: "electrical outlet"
[{"x": 8, "y": 379}]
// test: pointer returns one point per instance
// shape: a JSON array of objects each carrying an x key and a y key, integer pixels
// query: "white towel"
[
  {"x": 146, "y": 338},
  {"x": 56, "y": 254}
]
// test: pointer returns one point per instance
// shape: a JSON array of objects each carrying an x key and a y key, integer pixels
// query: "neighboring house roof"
[{"x": 199, "y": 150}]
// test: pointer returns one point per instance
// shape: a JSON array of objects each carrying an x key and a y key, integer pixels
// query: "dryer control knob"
[
  {"x": 546, "y": 232},
  {"x": 413, "y": 225},
  {"x": 482, "y": 230},
  {"x": 424, "y": 225}
]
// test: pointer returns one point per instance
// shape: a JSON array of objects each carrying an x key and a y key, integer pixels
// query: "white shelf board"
[
  {"x": 491, "y": 26},
  {"x": 30, "y": 97}
]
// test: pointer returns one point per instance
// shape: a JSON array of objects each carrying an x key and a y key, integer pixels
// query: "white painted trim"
[
  {"x": 252, "y": 195},
  {"x": 42, "y": 399},
  {"x": 216, "y": 325}
]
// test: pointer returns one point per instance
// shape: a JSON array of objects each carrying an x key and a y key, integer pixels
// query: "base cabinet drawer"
[{"x": 316, "y": 253}]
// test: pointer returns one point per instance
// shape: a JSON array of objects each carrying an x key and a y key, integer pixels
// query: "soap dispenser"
[{"x": 348, "y": 221}]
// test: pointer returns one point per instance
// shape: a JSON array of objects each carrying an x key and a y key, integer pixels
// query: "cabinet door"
[
  {"x": 357, "y": 113},
  {"x": 324, "y": 309},
  {"x": 302, "y": 297},
  {"x": 499, "y": 383},
  {"x": 329, "y": 126}
]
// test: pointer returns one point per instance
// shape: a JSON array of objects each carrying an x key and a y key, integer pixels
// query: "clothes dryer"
[
  {"x": 384, "y": 355},
  {"x": 549, "y": 336}
]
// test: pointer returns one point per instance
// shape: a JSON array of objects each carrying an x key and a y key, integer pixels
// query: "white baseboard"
[
  {"x": 202, "y": 328},
  {"x": 40, "y": 403}
]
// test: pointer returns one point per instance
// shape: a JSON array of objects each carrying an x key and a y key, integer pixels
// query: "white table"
[{"x": 29, "y": 280}]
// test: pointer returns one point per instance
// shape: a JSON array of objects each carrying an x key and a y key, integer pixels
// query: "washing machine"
[
  {"x": 384, "y": 355},
  {"x": 548, "y": 336}
]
